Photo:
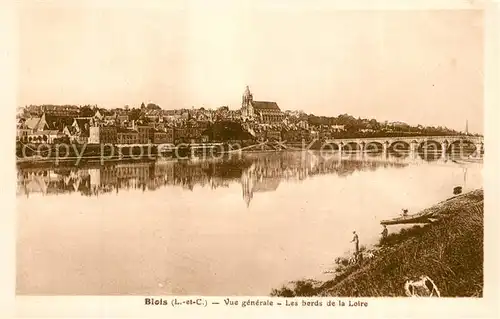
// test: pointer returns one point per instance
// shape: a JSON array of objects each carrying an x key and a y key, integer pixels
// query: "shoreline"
[
  {"x": 34, "y": 160},
  {"x": 449, "y": 251}
]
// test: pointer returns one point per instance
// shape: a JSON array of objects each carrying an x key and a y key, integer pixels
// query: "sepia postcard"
[{"x": 252, "y": 158}]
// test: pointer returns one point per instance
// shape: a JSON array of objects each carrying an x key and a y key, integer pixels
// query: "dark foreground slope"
[{"x": 449, "y": 251}]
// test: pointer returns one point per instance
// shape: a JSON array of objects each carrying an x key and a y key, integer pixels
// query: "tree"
[
  {"x": 143, "y": 106},
  {"x": 86, "y": 111},
  {"x": 226, "y": 130},
  {"x": 374, "y": 124},
  {"x": 134, "y": 114},
  {"x": 152, "y": 106}
]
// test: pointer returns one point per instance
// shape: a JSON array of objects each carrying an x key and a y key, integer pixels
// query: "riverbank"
[{"x": 449, "y": 251}]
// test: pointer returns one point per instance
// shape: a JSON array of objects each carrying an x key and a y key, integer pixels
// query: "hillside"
[{"x": 449, "y": 251}]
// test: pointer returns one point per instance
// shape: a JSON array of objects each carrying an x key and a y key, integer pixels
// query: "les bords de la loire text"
[{"x": 255, "y": 302}]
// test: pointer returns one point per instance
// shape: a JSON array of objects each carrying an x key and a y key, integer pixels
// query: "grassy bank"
[{"x": 449, "y": 251}]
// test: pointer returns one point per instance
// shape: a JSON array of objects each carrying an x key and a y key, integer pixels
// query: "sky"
[{"x": 416, "y": 66}]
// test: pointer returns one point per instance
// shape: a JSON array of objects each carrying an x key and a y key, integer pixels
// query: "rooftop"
[
  {"x": 125, "y": 130},
  {"x": 264, "y": 105}
]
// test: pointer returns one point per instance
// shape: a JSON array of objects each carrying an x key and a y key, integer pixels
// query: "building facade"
[
  {"x": 124, "y": 136},
  {"x": 188, "y": 134},
  {"x": 146, "y": 134},
  {"x": 48, "y": 136},
  {"x": 23, "y": 133},
  {"x": 164, "y": 136},
  {"x": 102, "y": 135}
]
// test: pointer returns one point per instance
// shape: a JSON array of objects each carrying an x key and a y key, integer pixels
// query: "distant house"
[
  {"x": 103, "y": 135},
  {"x": 22, "y": 135},
  {"x": 70, "y": 132},
  {"x": 80, "y": 129},
  {"x": 188, "y": 133},
  {"x": 61, "y": 110},
  {"x": 367, "y": 130},
  {"x": 47, "y": 136},
  {"x": 163, "y": 136},
  {"x": 110, "y": 117},
  {"x": 56, "y": 122},
  {"x": 337, "y": 128},
  {"x": 98, "y": 115},
  {"x": 122, "y": 116},
  {"x": 234, "y": 115},
  {"x": 47, "y": 122},
  {"x": 126, "y": 136},
  {"x": 37, "y": 123},
  {"x": 74, "y": 135},
  {"x": 34, "y": 110},
  {"x": 22, "y": 132},
  {"x": 146, "y": 133},
  {"x": 154, "y": 115},
  {"x": 184, "y": 115},
  {"x": 303, "y": 124}
]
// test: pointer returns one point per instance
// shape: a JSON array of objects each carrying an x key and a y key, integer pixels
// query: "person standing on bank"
[
  {"x": 385, "y": 232},
  {"x": 355, "y": 240}
]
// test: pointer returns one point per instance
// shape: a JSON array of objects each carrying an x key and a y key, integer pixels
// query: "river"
[{"x": 234, "y": 226}]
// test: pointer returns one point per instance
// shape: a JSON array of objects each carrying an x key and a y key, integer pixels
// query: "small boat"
[{"x": 420, "y": 218}]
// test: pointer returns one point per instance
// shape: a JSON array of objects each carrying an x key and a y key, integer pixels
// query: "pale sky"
[{"x": 420, "y": 67}]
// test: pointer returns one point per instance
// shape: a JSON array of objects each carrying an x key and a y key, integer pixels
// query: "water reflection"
[
  {"x": 173, "y": 230},
  {"x": 255, "y": 173}
]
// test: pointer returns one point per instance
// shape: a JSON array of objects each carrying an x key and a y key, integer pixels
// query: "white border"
[{"x": 132, "y": 307}]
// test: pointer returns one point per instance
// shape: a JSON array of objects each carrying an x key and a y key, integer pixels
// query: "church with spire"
[
  {"x": 260, "y": 111},
  {"x": 246, "y": 104}
]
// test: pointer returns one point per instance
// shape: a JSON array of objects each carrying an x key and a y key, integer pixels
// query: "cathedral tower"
[{"x": 246, "y": 104}]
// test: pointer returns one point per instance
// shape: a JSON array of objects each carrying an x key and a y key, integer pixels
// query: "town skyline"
[
  {"x": 465, "y": 128},
  {"x": 387, "y": 65}
]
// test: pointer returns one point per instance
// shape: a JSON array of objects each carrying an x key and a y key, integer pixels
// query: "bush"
[{"x": 301, "y": 288}]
